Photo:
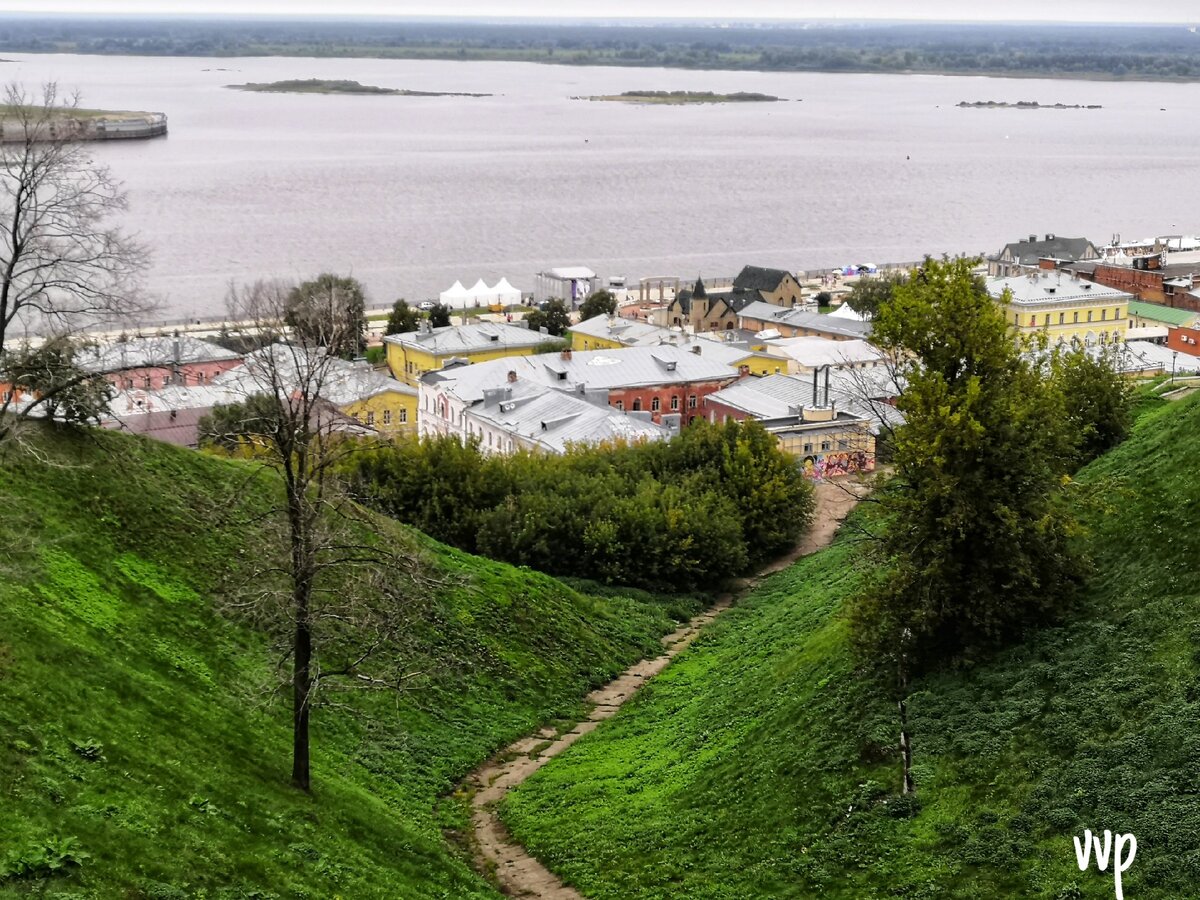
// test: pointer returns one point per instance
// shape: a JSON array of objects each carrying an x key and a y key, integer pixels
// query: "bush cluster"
[{"x": 676, "y": 516}]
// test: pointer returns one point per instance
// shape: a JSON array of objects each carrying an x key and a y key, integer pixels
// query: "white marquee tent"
[
  {"x": 456, "y": 297},
  {"x": 479, "y": 294}
]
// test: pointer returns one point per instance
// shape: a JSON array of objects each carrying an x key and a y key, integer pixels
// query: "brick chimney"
[
  {"x": 512, "y": 376},
  {"x": 566, "y": 354}
]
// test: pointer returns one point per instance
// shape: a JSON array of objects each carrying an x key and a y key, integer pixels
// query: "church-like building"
[{"x": 695, "y": 309}]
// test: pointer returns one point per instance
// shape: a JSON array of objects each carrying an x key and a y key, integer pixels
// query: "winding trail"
[{"x": 495, "y": 851}]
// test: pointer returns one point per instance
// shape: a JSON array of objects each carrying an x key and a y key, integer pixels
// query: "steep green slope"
[
  {"x": 136, "y": 735},
  {"x": 761, "y": 765}
]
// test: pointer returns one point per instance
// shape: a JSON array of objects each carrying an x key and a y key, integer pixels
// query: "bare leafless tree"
[
  {"x": 341, "y": 599},
  {"x": 64, "y": 265}
]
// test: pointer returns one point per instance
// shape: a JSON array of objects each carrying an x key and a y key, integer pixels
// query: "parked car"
[{"x": 426, "y": 305}]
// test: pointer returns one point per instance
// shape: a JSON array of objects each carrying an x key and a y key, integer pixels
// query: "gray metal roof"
[
  {"x": 626, "y": 367},
  {"x": 777, "y": 397},
  {"x": 769, "y": 313},
  {"x": 552, "y": 420},
  {"x": 454, "y": 339},
  {"x": 151, "y": 352},
  {"x": 1047, "y": 286},
  {"x": 1027, "y": 253}
]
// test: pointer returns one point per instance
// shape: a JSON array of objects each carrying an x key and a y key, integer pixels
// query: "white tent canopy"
[
  {"x": 479, "y": 294},
  {"x": 456, "y": 297},
  {"x": 505, "y": 293}
]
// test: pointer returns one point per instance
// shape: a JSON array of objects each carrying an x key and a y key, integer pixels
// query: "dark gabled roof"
[
  {"x": 684, "y": 299},
  {"x": 1027, "y": 253},
  {"x": 756, "y": 278}
]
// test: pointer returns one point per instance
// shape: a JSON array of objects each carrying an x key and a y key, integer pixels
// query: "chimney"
[
  {"x": 697, "y": 349},
  {"x": 566, "y": 355},
  {"x": 1033, "y": 238},
  {"x": 512, "y": 376}
]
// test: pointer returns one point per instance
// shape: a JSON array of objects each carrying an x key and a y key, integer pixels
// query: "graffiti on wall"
[{"x": 830, "y": 465}]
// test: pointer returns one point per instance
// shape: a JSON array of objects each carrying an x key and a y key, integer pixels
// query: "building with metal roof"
[
  {"x": 1067, "y": 309},
  {"x": 524, "y": 415},
  {"x": 819, "y": 418},
  {"x": 1142, "y": 313},
  {"x": 1028, "y": 253},
  {"x": 413, "y": 353},
  {"x": 668, "y": 383},
  {"x": 763, "y": 317},
  {"x": 809, "y": 353}
]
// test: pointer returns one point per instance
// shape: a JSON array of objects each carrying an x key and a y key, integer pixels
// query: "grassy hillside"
[
  {"x": 759, "y": 765},
  {"x": 139, "y": 753}
]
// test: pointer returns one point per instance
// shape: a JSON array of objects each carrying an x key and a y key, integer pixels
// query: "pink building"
[{"x": 158, "y": 362}]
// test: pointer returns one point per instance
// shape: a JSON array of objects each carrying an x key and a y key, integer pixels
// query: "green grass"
[
  {"x": 762, "y": 764},
  {"x": 139, "y": 753}
]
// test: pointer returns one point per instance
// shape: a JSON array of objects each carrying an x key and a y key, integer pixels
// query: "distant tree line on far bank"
[{"x": 1135, "y": 52}]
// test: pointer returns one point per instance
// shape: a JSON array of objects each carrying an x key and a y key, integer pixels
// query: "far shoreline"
[{"x": 416, "y": 57}]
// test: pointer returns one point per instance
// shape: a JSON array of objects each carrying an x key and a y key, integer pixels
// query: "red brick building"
[{"x": 1184, "y": 340}]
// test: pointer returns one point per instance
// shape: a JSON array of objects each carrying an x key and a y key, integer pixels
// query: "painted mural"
[{"x": 830, "y": 465}]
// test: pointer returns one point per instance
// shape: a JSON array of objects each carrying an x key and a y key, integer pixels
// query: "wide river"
[{"x": 411, "y": 193}]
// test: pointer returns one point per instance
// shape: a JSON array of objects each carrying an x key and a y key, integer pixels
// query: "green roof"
[{"x": 1160, "y": 313}]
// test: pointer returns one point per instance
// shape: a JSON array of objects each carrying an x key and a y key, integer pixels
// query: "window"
[
  {"x": 1076, "y": 318},
  {"x": 7, "y": 397},
  {"x": 403, "y": 416},
  {"x": 655, "y": 404},
  {"x": 146, "y": 382},
  {"x": 808, "y": 448},
  {"x": 692, "y": 399},
  {"x": 637, "y": 404},
  {"x": 387, "y": 417},
  {"x": 1061, "y": 318},
  {"x": 674, "y": 403},
  {"x": 370, "y": 418},
  {"x": 620, "y": 405},
  {"x": 1103, "y": 315},
  {"x": 843, "y": 445},
  {"x": 824, "y": 446},
  {"x": 1089, "y": 315},
  {"x": 1047, "y": 322},
  {"x": 1117, "y": 313}
]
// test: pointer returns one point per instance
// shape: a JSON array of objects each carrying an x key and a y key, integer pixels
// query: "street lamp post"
[{"x": 1174, "y": 354}]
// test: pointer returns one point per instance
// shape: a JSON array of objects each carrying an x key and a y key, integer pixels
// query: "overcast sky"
[{"x": 1028, "y": 10}]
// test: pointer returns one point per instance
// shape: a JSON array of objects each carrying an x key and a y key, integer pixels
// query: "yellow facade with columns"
[{"x": 1065, "y": 309}]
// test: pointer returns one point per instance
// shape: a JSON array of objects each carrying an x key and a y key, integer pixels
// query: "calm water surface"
[{"x": 411, "y": 193}]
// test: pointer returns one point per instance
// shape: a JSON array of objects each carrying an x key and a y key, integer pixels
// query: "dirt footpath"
[{"x": 518, "y": 873}]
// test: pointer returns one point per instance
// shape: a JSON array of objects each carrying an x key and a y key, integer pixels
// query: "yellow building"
[
  {"x": 1066, "y": 309},
  {"x": 371, "y": 398},
  {"x": 411, "y": 355},
  {"x": 393, "y": 410}
]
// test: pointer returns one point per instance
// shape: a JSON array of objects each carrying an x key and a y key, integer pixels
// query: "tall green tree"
[
  {"x": 872, "y": 291},
  {"x": 439, "y": 316},
  {"x": 1098, "y": 400},
  {"x": 555, "y": 318},
  {"x": 329, "y": 311},
  {"x": 402, "y": 319},
  {"x": 600, "y": 303},
  {"x": 975, "y": 545}
]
